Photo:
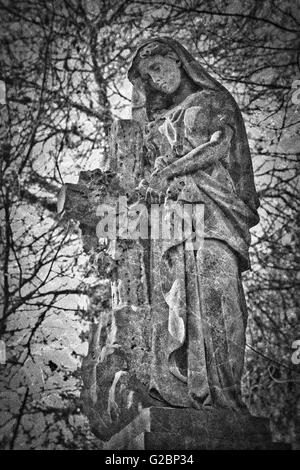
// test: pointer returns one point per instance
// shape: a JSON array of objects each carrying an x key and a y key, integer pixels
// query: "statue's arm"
[{"x": 200, "y": 157}]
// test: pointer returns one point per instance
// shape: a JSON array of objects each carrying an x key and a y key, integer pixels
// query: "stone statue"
[
  {"x": 166, "y": 356},
  {"x": 202, "y": 157}
]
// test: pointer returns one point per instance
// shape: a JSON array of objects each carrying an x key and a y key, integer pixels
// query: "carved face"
[{"x": 162, "y": 72}]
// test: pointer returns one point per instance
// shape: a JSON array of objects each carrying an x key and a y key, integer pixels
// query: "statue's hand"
[
  {"x": 139, "y": 192},
  {"x": 160, "y": 163},
  {"x": 175, "y": 188},
  {"x": 159, "y": 179},
  {"x": 142, "y": 187},
  {"x": 150, "y": 194},
  {"x": 146, "y": 193},
  {"x": 154, "y": 197}
]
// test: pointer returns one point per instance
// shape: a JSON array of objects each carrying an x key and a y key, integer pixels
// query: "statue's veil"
[{"x": 240, "y": 164}]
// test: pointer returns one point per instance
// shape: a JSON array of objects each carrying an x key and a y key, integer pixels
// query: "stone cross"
[{"x": 116, "y": 370}]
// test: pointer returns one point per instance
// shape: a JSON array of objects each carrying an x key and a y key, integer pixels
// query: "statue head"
[
  {"x": 158, "y": 76},
  {"x": 158, "y": 67}
]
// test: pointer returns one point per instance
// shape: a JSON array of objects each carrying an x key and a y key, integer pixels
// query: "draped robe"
[{"x": 198, "y": 306}]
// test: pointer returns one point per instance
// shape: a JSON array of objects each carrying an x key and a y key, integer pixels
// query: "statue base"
[{"x": 162, "y": 428}]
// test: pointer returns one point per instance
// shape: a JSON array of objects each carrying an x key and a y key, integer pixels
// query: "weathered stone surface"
[
  {"x": 116, "y": 370},
  {"x": 158, "y": 428},
  {"x": 169, "y": 441},
  {"x": 98, "y": 187}
]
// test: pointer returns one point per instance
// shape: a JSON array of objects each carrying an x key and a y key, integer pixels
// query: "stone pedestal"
[{"x": 158, "y": 428}]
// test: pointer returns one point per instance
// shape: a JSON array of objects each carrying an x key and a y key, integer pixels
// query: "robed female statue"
[{"x": 198, "y": 154}]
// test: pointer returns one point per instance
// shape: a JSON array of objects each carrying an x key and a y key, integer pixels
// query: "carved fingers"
[
  {"x": 160, "y": 163},
  {"x": 225, "y": 134},
  {"x": 149, "y": 194},
  {"x": 142, "y": 189},
  {"x": 216, "y": 136},
  {"x": 175, "y": 188},
  {"x": 154, "y": 197}
]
